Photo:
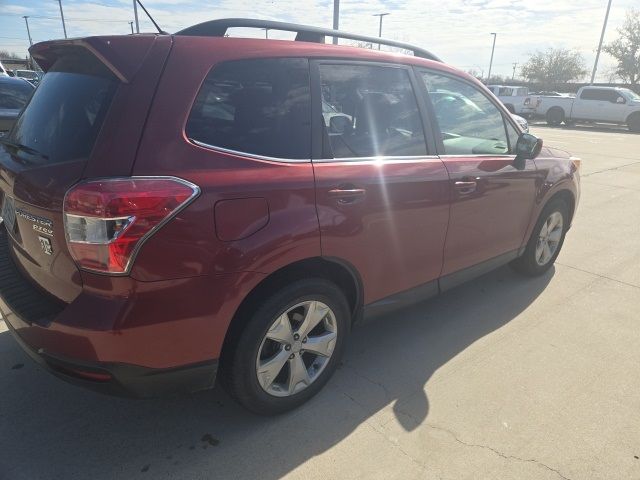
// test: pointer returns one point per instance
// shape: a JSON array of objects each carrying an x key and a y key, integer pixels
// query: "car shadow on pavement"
[{"x": 51, "y": 430}]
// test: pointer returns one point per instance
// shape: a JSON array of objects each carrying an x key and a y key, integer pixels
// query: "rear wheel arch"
[
  {"x": 556, "y": 115},
  {"x": 337, "y": 271}
]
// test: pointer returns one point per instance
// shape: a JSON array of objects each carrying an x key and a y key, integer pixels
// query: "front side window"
[
  {"x": 369, "y": 111},
  {"x": 469, "y": 123},
  {"x": 261, "y": 107}
]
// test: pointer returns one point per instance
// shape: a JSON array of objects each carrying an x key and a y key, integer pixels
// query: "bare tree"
[
  {"x": 7, "y": 55},
  {"x": 626, "y": 49},
  {"x": 554, "y": 66}
]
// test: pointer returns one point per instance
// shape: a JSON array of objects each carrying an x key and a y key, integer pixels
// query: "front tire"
[
  {"x": 546, "y": 240},
  {"x": 634, "y": 123},
  {"x": 289, "y": 348}
]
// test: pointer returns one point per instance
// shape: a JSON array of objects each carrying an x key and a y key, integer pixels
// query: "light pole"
[
  {"x": 604, "y": 27},
  {"x": 131, "y": 24},
  {"x": 336, "y": 18},
  {"x": 64, "y": 27},
  {"x": 26, "y": 21},
  {"x": 135, "y": 15},
  {"x": 492, "y": 50},
  {"x": 266, "y": 33},
  {"x": 380, "y": 27}
]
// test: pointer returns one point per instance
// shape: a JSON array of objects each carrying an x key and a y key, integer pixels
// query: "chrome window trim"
[
  {"x": 247, "y": 154},
  {"x": 408, "y": 158},
  {"x": 481, "y": 155}
]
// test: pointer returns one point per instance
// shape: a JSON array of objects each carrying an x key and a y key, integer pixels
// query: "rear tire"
[
  {"x": 633, "y": 122},
  {"x": 555, "y": 116},
  {"x": 537, "y": 259},
  {"x": 271, "y": 367}
]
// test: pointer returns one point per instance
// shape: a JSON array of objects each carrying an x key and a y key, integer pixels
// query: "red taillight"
[{"x": 106, "y": 221}]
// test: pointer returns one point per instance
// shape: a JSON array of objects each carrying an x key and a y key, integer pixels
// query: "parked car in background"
[
  {"x": 516, "y": 99},
  {"x": 524, "y": 124},
  {"x": 30, "y": 75},
  {"x": 178, "y": 205},
  {"x": 593, "y": 104},
  {"x": 14, "y": 94}
]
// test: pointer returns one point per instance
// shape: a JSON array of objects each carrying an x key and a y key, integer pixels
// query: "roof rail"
[{"x": 304, "y": 33}]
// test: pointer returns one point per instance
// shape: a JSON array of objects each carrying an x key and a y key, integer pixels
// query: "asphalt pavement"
[{"x": 506, "y": 377}]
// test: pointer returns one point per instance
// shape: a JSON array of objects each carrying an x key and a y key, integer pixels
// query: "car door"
[
  {"x": 593, "y": 104},
  {"x": 381, "y": 191},
  {"x": 492, "y": 198}
]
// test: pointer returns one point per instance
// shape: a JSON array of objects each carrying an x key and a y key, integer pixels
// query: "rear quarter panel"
[{"x": 189, "y": 245}]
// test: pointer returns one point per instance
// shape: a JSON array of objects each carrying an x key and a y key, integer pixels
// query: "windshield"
[
  {"x": 14, "y": 95},
  {"x": 64, "y": 116},
  {"x": 630, "y": 94}
]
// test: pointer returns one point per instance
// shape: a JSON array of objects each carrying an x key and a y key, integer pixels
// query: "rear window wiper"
[{"x": 24, "y": 148}]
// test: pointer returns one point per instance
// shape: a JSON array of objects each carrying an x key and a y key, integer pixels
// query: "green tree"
[
  {"x": 626, "y": 49},
  {"x": 554, "y": 66}
]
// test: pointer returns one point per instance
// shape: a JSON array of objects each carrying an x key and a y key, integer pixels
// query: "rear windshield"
[{"x": 62, "y": 120}]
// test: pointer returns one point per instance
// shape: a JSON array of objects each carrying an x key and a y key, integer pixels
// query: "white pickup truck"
[
  {"x": 515, "y": 99},
  {"x": 593, "y": 104}
]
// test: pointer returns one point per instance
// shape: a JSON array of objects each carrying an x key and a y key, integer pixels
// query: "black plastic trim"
[
  {"x": 125, "y": 380},
  {"x": 462, "y": 276}
]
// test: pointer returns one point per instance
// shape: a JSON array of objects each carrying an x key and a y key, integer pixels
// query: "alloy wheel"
[
  {"x": 296, "y": 348},
  {"x": 549, "y": 238}
]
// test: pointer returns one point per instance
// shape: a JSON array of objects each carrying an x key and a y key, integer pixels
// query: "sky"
[{"x": 458, "y": 31}]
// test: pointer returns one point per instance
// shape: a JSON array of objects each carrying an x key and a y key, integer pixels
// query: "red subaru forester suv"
[{"x": 175, "y": 205}]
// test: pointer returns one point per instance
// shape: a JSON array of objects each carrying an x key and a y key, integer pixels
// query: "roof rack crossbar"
[{"x": 305, "y": 33}]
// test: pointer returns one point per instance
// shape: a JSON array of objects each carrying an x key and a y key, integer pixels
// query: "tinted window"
[
  {"x": 15, "y": 94},
  {"x": 260, "y": 107},
  {"x": 470, "y": 124},
  {"x": 62, "y": 120},
  {"x": 599, "y": 95},
  {"x": 369, "y": 111}
]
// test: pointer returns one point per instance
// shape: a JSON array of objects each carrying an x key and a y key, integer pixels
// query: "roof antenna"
[{"x": 151, "y": 18}]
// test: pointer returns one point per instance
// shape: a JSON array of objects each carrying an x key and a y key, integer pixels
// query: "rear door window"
[
  {"x": 63, "y": 118},
  {"x": 261, "y": 107},
  {"x": 369, "y": 111}
]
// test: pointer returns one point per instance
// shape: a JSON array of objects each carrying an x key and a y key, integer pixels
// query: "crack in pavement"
[
  {"x": 609, "y": 169},
  {"x": 494, "y": 450},
  {"x": 599, "y": 275}
]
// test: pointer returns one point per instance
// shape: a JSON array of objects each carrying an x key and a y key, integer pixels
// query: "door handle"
[
  {"x": 347, "y": 194},
  {"x": 465, "y": 188}
]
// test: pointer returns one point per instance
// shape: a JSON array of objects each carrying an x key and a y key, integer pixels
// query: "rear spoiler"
[{"x": 121, "y": 54}]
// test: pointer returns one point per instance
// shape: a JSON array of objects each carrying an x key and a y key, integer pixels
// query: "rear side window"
[
  {"x": 63, "y": 118},
  {"x": 369, "y": 111},
  {"x": 261, "y": 107},
  {"x": 599, "y": 95}
]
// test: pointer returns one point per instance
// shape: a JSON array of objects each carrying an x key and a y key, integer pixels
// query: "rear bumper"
[
  {"x": 122, "y": 379},
  {"x": 121, "y": 336}
]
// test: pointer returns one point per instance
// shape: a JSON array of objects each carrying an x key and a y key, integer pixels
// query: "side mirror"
[
  {"x": 620, "y": 100},
  {"x": 527, "y": 147},
  {"x": 340, "y": 124}
]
